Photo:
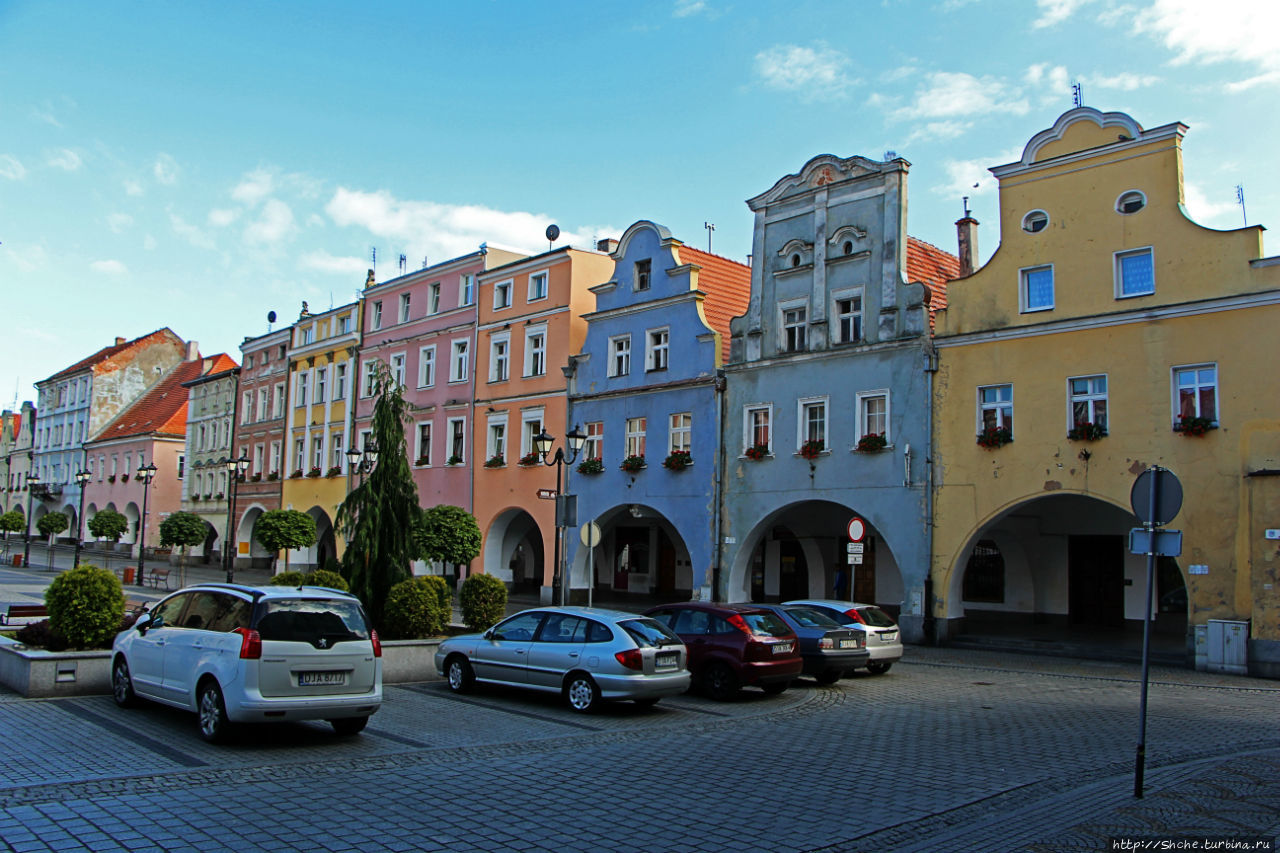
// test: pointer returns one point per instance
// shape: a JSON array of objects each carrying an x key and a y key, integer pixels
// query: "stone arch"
[
  {"x": 641, "y": 552},
  {"x": 513, "y": 551}
]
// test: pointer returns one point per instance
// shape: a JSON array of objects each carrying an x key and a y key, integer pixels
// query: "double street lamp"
[
  {"x": 362, "y": 461},
  {"x": 235, "y": 475},
  {"x": 145, "y": 473},
  {"x": 82, "y": 478},
  {"x": 33, "y": 480},
  {"x": 542, "y": 444}
]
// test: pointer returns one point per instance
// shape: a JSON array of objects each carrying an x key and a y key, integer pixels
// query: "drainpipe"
[
  {"x": 927, "y": 625},
  {"x": 718, "y": 484}
]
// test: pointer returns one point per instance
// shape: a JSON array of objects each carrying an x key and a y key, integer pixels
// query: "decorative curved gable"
[
  {"x": 1121, "y": 122},
  {"x": 820, "y": 171},
  {"x": 664, "y": 235}
]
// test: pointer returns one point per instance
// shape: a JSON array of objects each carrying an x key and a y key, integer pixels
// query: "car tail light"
[
  {"x": 377, "y": 644},
  {"x": 738, "y": 622},
  {"x": 631, "y": 659},
  {"x": 853, "y": 614},
  {"x": 826, "y": 643},
  {"x": 250, "y": 644}
]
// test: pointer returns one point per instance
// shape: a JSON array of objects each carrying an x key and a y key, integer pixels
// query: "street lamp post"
[
  {"x": 362, "y": 461},
  {"x": 33, "y": 479},
  {"x": 82, "y": 477},
  {"x": 145, "y": 474},
  {"x": 235, "y": 474},
  {"x": 542, "y": 444}
]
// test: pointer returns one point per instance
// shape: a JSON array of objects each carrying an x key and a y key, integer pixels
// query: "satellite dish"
[
  {"x": 271, "y": 316},
  {"x": 553, "y": 233}
]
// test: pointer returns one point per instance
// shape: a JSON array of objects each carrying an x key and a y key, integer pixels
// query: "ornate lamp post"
[
  {"x": 33, "y": 479},
  {"x": 363, "y": 461},
  {"x": 235, "y": 475},
  {"x": 145, "y": 474},
  {"x": 542, "y": 445},
  {"x": 82, "y": 477}
]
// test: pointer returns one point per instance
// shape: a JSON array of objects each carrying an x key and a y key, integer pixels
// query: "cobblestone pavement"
[{"x": 951, "y": 751}]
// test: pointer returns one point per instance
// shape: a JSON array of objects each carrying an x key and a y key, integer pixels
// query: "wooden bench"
[
  {"x": 25, "y": 611},
  {"x": 155, "y": 576}
]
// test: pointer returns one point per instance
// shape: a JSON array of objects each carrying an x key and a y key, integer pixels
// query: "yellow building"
[
  {"x": 1108, "y": 333},
  {"x": 318, "y": 429}
]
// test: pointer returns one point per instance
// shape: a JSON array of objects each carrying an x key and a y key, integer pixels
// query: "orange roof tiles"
[
  {"x": 728, "y": 287},
  {"x": 163, "y": 409},
  {"x": 933, "y": 267}
]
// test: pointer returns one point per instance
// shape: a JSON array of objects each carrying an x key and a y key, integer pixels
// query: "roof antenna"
[
  {"x": 1240, "y": 201},
  {"x": 1077, "y": 95},
  {"x": 553, "y": 234},
  {"x": 424, "y": 262},
  {"x": 967, "y": 212},
  {"x": 404, "y": 264},
  {"x": 710, "y": 226},
  {"x": 373, "y": 256}
]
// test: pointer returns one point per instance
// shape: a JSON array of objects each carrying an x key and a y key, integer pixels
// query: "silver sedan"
[
  {"x": 586, "y": 654},
  {"x": 884, "y": 640}
]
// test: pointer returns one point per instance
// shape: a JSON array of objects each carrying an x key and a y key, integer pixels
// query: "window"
[
  {"x": 1131, "y": 202},
  {"x": 264, "y": 399},
  {"x": 1135, "y": 273},
  {"x": 635, "y": 436},
  {"x": 300, "y": 389},
  {"x": 424, "y": 444},
  {"x": 1037, "y": 288},
  {"x": 502, "y": 295},
  {"x": 467, "y": 289},
  {"x": 433, "y": 298},
  {"x": 300, "y": 454},
  {"x": 1088, "y": 400},
  {"x": 793, "y": 329},
  {"x": 1035, "y": 221},
  {"x": 458, "y": 367},
  {"x": 321, "y": 375},
  {"x": 537, "y": 286},
  {"x": 499, "y": 358},
  {"x": 497, "y": 443},
  {"x": 848, "y": 315},
  {"x": 404, "y": 307},
  {"x": 995, "y": 407},
  {"x": 530, "y": 428},
  {"x": 984, "y": 574},
  {"x": 366, "y": 438},
  {"x": 397, "y": 369},
  {"x": 339, "y": 381},
  {"x": 620, "y": 355},
  {"x": 275, "y": 457},
  {"x": 306, "y": 335},
  {"x": 680, "y": 436},
  {"x": 535, "y": 351},
  {"x": 594, "y": 446},
  {"x": 246, "y": 407},
  {"x": 457, "y": 440},
  {"x": 335, "y": 450},
  {"x": 377, "y": 315},
  {"x": 258, "y": 458},
  {"x": 343, "y": 324},
  {"x": 370, "y": 378},
  {"x": 657, "y": 346},
  {"x": 642, "y": 274},
  {"x": 1195, "y": 392},
  {"x": 812, "y": 422},
  {"x": 426, "y": 367},
  {"x": 317, "y": 452},
  {"x": 757, "y": 427},
  {"x": 873, "y": 414},
  {"x": 277, "y": 408}
]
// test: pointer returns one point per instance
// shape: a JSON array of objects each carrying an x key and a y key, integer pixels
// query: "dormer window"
[
  {"x": 642, "y": 274},
  {"x": 1035, "y": 222},
  {"x": 795, "y": 260},
  {"x": 1131, "y": 202},
  {"x": 848, "y": 247},
  {"x": 795, "y": 255}
]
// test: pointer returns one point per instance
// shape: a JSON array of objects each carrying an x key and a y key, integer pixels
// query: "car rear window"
[
  {"x": 876, "y": 618},
  {"x": 807, "y": 617},
  {"x": 308, "y": 620},
  {"x": 766, "y": 625},
  {"x": 649, "y": 632}
]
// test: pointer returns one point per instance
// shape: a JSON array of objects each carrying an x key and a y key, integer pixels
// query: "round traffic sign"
[
  {"x": 589, "y": 533},
  {"x": 857, "y": 529},
  {"x": 1167, "y": 491}
]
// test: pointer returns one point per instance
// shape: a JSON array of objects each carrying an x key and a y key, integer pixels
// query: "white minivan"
[{"x": 242, "y": 654}]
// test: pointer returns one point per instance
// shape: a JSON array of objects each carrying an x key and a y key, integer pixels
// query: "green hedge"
[
  {"x": 416, "y": 608},
  {"x": 85, "y": 605},
  {"x": 483, "y": 600}
]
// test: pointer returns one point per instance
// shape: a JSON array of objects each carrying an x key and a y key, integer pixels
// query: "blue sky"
[{"x": 195, "y": 165}]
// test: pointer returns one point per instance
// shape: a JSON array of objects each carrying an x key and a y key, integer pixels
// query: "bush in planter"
[
  {"x": 329, "y": 579},
  {"x": 53, "y": 523},
  {"x": 85, "y": 605},
  {"x": 108, "y": 524},
  {"x": 483, "y": 600},
  {"x": 41, "y": 634},
  {"x": 418, "y": 607},
  {"x": 288, "y": 579}
]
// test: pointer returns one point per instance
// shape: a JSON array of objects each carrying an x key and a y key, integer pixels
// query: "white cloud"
[
  {"x": 45, "y": 115},
  {"x": 109, "y": 267},
  {"x": 1270, "y": 78},
  {"x": 818, "y": 72},
  {"x": 952, "y": 94},
  {"x": 1223, "y": 210},
  {"x": 962, "y": 175},
  {"x": 685, "y": 8},
  {"x": 937, "y": 130},
  {"x": 26, "y": 258},
  {"x": 1236, "y": 31},
  {"x": 1125, "y": 82},
  {"x": 221, "y": 217},
  {"x": 1053, "y": 12},
  {"x": 166, "y": 170},
  {"x": 254, "y": 187},
  {"x": 273, "y": 225},
  {"x": 133, "y": 188},
  {"x": 324, "y": 262},
  {"x": 189, "y": 232},
  {"x": 119, "y": 222},
  {"x": 11, "y": 168},
  {"x": 65, "y": 158}
]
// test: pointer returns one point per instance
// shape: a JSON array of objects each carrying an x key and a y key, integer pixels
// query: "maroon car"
[{"x": 733, "y": 646}]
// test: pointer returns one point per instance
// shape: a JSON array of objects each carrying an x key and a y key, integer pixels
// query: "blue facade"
[{"x": 658, "y": 524}]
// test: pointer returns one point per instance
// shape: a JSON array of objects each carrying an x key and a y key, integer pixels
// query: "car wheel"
[
  {"x": 122, "y": 684},
  {"x": 458, "y": 671},
  {"x": 775, "y": 688},
  {"x": 348, "y": 726},
  {"x": 830, "y": 676},
  {"x": 879, "y": 668},
  {"x": 581, "y": 693},
  {"x": 647, "y": 702},
  {"x": 722, "y": 682},
  {"x": 214, "y": 725}
]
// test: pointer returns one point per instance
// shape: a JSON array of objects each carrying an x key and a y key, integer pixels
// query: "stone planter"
[{"x": 409, "y": 660}]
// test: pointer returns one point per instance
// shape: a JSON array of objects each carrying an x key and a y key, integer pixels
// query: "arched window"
[{"x": 984, "y": 574}]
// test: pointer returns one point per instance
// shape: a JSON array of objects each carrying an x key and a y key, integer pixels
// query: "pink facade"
[{"x": 116, "y": 485}]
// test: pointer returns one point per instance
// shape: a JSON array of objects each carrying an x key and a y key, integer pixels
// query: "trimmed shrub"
[
  {"x": 326, "y": 578},
  {"x": 416, "y": 608},
  {"x": 86, "y": 606},
  {"x": 41, "y": 635},
  {"x": 483, "y": 600},
  {"x": 288, "y": 579}
]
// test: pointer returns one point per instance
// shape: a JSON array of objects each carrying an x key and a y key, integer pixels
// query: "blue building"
[
  {"x": 828, "y": 401},
  {"x": 647, "y": 390}
]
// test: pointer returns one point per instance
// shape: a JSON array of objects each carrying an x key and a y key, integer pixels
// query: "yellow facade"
[{"x": 1202, "y": 307}]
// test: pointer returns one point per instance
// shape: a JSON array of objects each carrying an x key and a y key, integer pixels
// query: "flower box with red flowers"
[
  {"x": 993, "y": 437},
  {"x": 872, "y": 442},
  {"x": 1194, "y": 426},
  {"x": 812, "y": 449},
  {"x": 678, "y": 460},
  {"x": 1086, "y": 431},
  {"x": 633, "y": 464}
]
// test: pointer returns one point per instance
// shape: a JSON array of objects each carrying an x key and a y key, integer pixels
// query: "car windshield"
[
  {"x": 809, "y": 618},
  {"x": 876, "y": 618},
  {"x": 649, "y": 632},
  {"x": 766, "y": 625},
  {"x": 309, "y": 620}
]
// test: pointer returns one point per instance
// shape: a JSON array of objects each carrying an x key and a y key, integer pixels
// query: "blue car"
[{"x": 829, "y": 650}]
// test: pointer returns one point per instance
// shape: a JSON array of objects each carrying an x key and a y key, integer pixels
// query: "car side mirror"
[
  {"x": 142, "y": 623},
  {"x": 492, "y": 635}
]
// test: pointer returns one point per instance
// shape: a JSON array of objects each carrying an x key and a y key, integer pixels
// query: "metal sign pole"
[
  {"x": 1151, "y": 525},
  {"x": 591, "y": 572}
]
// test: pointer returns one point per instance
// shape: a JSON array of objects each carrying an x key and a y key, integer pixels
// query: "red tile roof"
[
  {"x": 932, "y": 267},
  {"x": 106, "y": 353},
  {"x": 728, "y": 287},
  {"x": 163, "y": 409}
]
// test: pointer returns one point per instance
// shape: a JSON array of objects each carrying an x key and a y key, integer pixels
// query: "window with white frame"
[
  {"x": 794, "y": 329},
  {"x": 377, "y": 315},
  {"x": 246, "y": 407},
  {"x": 424, "y": 443},
  {"x": 641, "y": 274},
  {"x": 300, "y": 389},
  {"x": 1036, "y": 288},
  {"x": 1135, "y": 273},
  {"x": 812, "y": 422},
  {"x": 873, "y": 414},
  {"x": 680, "y": 434},
  {"x": 322, "y": 374},
  {"x": 538, "y": 286},
  {"x": 530, "y": 428},
  {"x": 366, "y": 439},
  {"x": 404, "y": 307},
  {"x": 499, "y": 357},
  {"x": 995, "y": 407},
  {"x": 1195, "y": 389},
  {"x": 335, "y": 450},
  {"x": 1088, "y": 401},
  {"x": 620, "y": 355},
  {"x": 368, "y": 384},
  {"x": 317, "y": 452},
  {"x": 277, "y": 408},
  {"x": 306, "y": 335},
  {"x": 457, "y": 440},
  {"x": 264, "y": 400},
  {"x": 635, "y": 436},
  {"x": 433, "y": 298},
  {"x": 339, "y": 381},
  {"x": 847, "y": 327},
  {"x": 258, "y": 458},
  {"x": 502, "y": 294},
  {"x": 343, "y": 324},
  {"x": 397, "y": 369},
  {"x": 276, "y": 449},
  {"x": 535, "y": 351},
  {"x": 427, "y": 367},
  {"x": 466, "y": 289},
  {"x": 459, "y": 367},
  {"x": 300, "y": 454},
  {"x": 594, "y": 446},
  {"x": 657, "y": 347},
  {"x": 496, "y": 444},
  {"x": 757, "y": 427}
]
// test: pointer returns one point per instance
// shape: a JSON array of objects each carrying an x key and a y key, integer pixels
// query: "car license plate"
[
  {"x": 781, "y": 648},
  {"x": 848, "y": 644},
  {"x": 306, "y": 679},
  {"x": 888, "y": 636},
  {"x": 667, "y": 660}
]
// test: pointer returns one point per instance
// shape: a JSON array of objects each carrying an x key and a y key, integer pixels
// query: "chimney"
[
  {"x": 967, "y": 239},
  {"x": 120, "y": 340},
  {"x": 193, "y": 351},
  {"x": 608, "y": 245}
]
